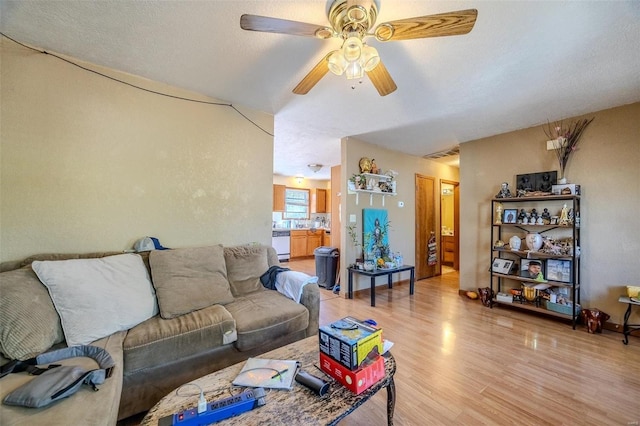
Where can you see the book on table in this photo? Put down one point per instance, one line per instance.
(267, 373)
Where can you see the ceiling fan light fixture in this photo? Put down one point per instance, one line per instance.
(324, 33)
(354, 71)
(370, 58)
(337, 63)
(352, 48)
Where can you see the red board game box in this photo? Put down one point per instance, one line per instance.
(356, 381)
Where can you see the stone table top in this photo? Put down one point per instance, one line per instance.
(298, 406)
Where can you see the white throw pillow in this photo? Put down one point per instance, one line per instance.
(98, 297)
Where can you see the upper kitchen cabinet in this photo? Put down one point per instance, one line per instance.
(278, 198)
(319, 200)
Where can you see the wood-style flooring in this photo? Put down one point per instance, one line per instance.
(460, 363)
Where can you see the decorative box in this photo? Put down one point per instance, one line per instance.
(350, 342)
(557, 189)
(504, 298)
(356, 381)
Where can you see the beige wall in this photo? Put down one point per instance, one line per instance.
(91, 164)
(605, 165)
(402, 231)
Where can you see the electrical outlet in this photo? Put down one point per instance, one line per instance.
(352, 218)
(552, 145)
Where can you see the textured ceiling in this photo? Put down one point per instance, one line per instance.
(525, 62)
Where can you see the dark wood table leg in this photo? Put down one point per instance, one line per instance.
(625, 328)
(391, 401)
(373, 290)
(350, 285)
(411, 281)
(390, 279)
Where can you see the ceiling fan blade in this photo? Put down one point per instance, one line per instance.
(443, 24)
(313, 77)
(382, 80)
(283, 26)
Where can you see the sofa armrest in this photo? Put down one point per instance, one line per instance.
(311, 300)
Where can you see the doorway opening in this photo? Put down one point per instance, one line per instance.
(449, 226)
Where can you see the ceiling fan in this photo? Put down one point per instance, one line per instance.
(352, 21)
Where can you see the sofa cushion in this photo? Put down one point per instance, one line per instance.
(158, 341)
(97, 297)
(85, 407)
(188, 279)
(264, 316)
(245, 265)
(29, 323)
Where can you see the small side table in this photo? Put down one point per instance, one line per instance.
(377, 272)
(628, 328)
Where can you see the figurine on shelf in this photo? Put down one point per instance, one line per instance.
(534, 216)
(504, 191)
(522, 216)
(546, 216)
(564, 216)
(499, 214)
(374, 167)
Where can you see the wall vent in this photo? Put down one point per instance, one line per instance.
(444, 153)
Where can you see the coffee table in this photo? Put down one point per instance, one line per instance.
(298, 406)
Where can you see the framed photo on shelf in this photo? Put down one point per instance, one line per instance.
(559, 270)
(510, 216)
(532, 268)
(501, 266)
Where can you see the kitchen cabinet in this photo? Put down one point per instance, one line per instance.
(314, 240)
(318, 200)
(305, 241)
(278, 198)
(298, 243)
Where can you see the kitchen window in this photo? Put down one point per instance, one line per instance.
(296, 203)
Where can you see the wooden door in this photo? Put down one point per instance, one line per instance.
(425, 224)
(314, 240)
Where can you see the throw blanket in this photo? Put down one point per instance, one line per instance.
(291, 283)
(268, 279)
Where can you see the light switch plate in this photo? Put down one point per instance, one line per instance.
(352, 218)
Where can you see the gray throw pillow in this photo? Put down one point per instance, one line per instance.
(29, 323)
(188, 279)
(245, 265)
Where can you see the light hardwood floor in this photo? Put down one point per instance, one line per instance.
(460, 363)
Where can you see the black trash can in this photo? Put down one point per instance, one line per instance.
(326, 266)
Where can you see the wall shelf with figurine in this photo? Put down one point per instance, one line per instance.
(372, 184)
(535, 254)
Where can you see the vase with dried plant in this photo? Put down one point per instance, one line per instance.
(565, 138)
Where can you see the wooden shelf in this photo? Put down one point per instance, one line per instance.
(532, 281)
(533, 308)
(542, 198)
(533, 254)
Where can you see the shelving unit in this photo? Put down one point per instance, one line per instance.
(377, 179)
(501, 282)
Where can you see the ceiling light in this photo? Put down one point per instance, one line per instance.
(315, 168)
(354, 58)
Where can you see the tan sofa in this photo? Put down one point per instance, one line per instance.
(166, 350)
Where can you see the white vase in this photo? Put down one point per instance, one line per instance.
(562, 181)
(534, 241)
(514, 242)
